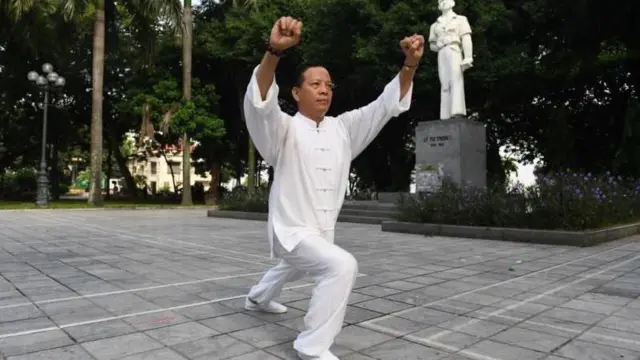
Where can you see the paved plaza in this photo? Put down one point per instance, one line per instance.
(170, 284)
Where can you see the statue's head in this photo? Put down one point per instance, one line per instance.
(444, 5)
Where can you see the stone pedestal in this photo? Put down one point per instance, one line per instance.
(453, 149)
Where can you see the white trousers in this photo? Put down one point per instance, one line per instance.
(452, 99)
(334, 271)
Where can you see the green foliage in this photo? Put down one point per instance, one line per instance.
(558, 80)
(14, 184)
(170, 113)
(63, 189)
(561, 201)
(240, 200)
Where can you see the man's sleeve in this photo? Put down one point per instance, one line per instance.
(266, 122)
(365, 123)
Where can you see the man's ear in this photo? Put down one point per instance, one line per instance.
(294, 92)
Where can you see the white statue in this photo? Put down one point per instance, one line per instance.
(450, 37)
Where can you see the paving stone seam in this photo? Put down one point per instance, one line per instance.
(121, 234)
(504, 282)
(432, 339)
(118, 292)
(140, 313)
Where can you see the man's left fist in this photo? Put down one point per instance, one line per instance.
(413, 48)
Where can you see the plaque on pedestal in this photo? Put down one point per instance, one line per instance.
(429, 178)
(456, 148)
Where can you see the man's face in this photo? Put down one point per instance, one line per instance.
(445, 4)
(316, 92)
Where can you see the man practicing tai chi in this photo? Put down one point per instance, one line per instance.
(311, 154)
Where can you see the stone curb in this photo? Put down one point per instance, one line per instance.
(240, 215)
(549, 237)
(114, 208)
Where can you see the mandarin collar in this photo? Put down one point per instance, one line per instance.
(312, 123)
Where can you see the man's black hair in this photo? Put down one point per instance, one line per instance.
(300, 70)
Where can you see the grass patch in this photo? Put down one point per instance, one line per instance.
(82, 204)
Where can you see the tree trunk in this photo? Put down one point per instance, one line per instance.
(251, 181)
(251, 162)
(122, 164)
(211, 197)
(187, 44)
(95, 187)
(173, 176)
(109, 170)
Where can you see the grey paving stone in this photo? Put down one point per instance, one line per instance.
(218, 347)
(121, 346)
(377, 291)
(357, 315)
(357, 338)
(73, 352)
(450, 341)
(397, 325)
(498, 350)
(155, 320)
(232, 322)
(176, 334)
(97, 331)
(578, 316)
(356, 356)
(382, 305)
(529, 339)
(160, 354)
(287, 352)
(402, 349)
(25, 325)
(473, 326)
(24, 344)
(524, 314)
(257, 355)
(427, 316)
(19, 313)
(594, 307)
(265, 335)
(206, 311)
(615, 338)
(582, 350)
(122, 304)
(74, 311)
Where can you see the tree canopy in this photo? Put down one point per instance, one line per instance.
(556, 81)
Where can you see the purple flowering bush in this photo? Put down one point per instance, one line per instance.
(559, 201)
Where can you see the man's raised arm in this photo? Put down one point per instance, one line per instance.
(266, 123)
(365, 123)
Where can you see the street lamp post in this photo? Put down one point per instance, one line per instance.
(49, 80)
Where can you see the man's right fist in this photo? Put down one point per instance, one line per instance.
(285, 33)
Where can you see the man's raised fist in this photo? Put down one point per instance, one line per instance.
(285, 33)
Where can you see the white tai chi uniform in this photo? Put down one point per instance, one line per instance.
(312, 162)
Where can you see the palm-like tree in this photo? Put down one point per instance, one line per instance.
(144, 14)
(187, 50)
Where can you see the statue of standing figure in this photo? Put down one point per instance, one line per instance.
(450, 37)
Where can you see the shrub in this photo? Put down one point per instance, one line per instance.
(568, 201)
(240, 200)
(64, 189)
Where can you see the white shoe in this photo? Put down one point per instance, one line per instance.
(272, 307)
(326, 356)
